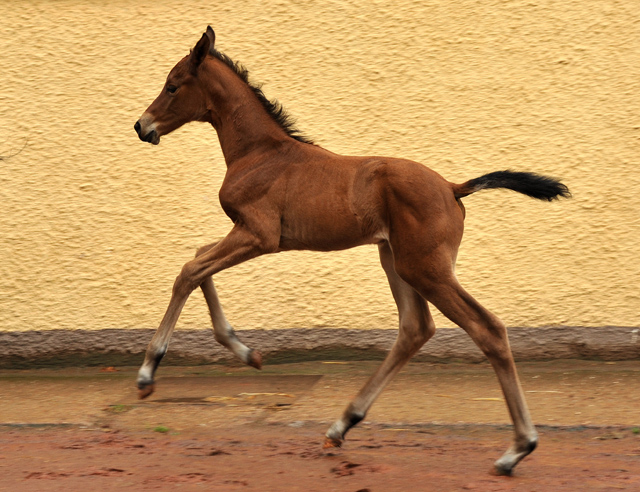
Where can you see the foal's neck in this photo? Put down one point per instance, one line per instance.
(242, 123)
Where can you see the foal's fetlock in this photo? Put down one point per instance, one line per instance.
(509, 460)
(335, 435)
(531, 444)
(525, 445)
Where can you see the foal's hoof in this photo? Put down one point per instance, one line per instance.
(255, 359)
(502, 469)
(145, 390)
(330, 442)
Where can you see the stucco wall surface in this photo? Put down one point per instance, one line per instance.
(95, 224)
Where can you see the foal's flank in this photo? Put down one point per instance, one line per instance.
(284, 193)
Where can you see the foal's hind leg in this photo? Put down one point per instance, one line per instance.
(223, 331)
(416, 327)
(490, 334)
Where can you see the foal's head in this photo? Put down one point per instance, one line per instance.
(182, 98)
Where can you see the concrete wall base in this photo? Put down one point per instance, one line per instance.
(190, 347)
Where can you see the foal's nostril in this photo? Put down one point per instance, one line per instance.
(137, 127)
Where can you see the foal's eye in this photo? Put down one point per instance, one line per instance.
(171, 89)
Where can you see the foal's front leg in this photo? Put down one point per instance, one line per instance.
(239, 246)
(223, 331)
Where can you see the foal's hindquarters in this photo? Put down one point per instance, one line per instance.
(424, 233)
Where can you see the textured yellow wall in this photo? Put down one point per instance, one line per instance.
(95, 225)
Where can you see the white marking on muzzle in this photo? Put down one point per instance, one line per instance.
(148, 125)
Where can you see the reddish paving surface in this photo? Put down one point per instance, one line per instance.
(281, 458)
(227, 429)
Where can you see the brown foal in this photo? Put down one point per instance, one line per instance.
(284, 193)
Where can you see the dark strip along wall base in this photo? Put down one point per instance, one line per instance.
(120, 347)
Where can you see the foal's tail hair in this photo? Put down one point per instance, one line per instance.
(530, 184)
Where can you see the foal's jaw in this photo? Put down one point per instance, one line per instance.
(145, 127)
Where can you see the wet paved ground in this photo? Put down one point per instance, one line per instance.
(436, 427)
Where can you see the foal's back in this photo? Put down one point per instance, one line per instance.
(328, 201)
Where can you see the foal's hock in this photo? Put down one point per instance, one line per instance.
(284, 193)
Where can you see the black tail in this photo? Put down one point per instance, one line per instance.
(530, 184)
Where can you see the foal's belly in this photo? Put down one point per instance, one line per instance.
(327, 232)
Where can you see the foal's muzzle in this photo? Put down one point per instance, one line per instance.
(150, 136)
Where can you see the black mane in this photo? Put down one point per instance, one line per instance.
(273, 107)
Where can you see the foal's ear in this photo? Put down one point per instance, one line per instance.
(199, 53)
(211, 35)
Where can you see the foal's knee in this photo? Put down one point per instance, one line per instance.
(416, 330)
(187, 281)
